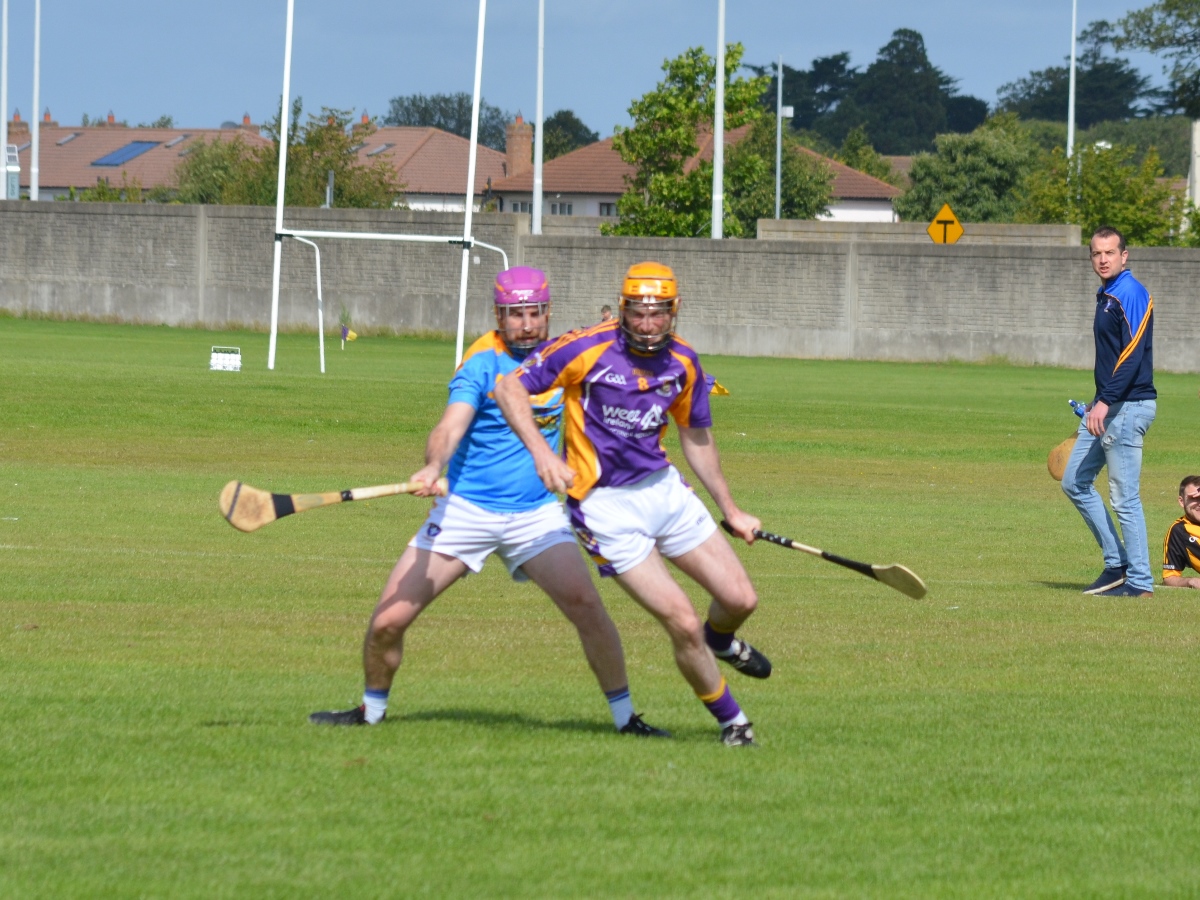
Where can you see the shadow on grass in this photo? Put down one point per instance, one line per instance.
(492, 719)
(1062, 585)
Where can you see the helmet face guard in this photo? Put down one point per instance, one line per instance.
(516, 291)
(649, 289)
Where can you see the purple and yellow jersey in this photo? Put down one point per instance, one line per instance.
(616, 402)
(491, 467)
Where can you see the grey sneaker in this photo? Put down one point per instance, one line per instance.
(746, 660)
(638, 727)
(738, 736)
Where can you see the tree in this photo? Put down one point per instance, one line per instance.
(902, 99)
(1172, 28)
(805, 180)
(233, 172)
(856, 152)
(669, 195)
(160, 122)
(565, 132)
(978, 174)
(452, 113)
(1103, 186)
(1106, 88)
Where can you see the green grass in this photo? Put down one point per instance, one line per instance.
(1005, 736)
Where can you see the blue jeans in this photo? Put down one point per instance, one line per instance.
(1119, 448)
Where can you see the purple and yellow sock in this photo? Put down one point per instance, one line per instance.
(719, 642)
(723, 707)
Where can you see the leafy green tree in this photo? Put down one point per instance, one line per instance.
(668, 195)
(805, 180)
(452, 113)
(1171, 136)
(1105, 186)
(1171, 28)
(234, 172)
(902, 99)
(160, 122)
(856, 152)
(564, 133)
(978, 174)
(129, 191)
(1106, 88)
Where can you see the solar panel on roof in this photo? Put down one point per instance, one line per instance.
(126, 153)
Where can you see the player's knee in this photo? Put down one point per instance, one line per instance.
(684, 625)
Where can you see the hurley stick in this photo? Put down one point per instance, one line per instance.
(249, 508)
(902, 578)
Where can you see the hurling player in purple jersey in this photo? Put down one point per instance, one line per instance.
(630, 507)
(496, 504)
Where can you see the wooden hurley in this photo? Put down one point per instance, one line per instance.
(249, 508)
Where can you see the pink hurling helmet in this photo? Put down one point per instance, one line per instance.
(516, 288)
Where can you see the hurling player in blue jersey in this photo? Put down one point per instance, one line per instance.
(1117, 420)
(496, 504)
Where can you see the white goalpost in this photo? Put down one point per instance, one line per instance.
(467, 241)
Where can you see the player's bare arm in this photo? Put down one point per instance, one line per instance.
(700, 450)
(440, 447)
(514, 401)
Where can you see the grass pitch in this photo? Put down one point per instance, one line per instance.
(1004, 736)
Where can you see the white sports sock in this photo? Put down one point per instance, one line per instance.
(376, 705)
(739, 719)
(620, 704)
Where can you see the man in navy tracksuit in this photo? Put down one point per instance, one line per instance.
(1117, 420)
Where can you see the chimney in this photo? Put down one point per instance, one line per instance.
(16, 126)
(249, 126)
(47, 122)
(112, 120)
(245, 119)
(518, 146)
(366, 120)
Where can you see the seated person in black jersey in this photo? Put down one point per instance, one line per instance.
(1181, 548)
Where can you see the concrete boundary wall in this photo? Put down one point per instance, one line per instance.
(840, 299)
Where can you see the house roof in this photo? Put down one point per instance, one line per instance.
(67, 156)
(599, 169)
(432, 161)
(428, 160)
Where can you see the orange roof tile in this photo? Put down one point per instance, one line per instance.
(66, 161)
(432, 161)
(599, 169)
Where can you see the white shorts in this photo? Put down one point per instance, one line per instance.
(619, 526)
(470, 533)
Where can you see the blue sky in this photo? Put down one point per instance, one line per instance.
(205, 63)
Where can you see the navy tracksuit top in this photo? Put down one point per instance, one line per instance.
(1124, 332)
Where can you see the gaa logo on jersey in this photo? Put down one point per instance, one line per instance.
(615, 378)
(433, 530)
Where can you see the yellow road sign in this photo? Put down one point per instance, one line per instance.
(945, 227)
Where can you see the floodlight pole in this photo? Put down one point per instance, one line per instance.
(778, 133)
(718, 204)
(37, 94)
(283, 148)
(541, 121)
(4, 92)
(470, 198)
(1071, 86)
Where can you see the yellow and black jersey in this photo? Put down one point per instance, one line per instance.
(1181, 548)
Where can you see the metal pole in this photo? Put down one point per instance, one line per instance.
(1071, 87)
(778, 133)
(470, 198)
(320, 303)
(37, 108)
(283, 142)
(541, 121)
(718, 204)
(4, 94)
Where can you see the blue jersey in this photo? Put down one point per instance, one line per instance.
(491, 467)
(1124, 331)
